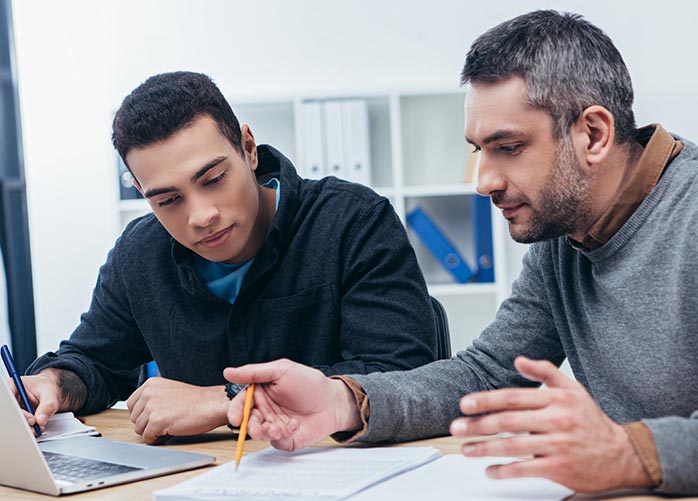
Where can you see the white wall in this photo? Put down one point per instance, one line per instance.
(78, 58)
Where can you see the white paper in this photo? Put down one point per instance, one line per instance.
(315, 473)
(456, 477)
(65, 425)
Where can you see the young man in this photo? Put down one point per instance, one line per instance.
(241, 261)
(609, 283)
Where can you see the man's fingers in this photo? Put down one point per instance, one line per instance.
(136, 410)
(254, 425)
(502, 400)
(135, 396)
(235, 408)
(543, 371)
(503, 422)
(140, 423)
(47, 407)
(537, 467)
(257, 373)
(151, 436)
(516, 446)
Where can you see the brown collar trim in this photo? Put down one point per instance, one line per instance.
(660, 150)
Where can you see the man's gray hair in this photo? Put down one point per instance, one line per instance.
(568, 64)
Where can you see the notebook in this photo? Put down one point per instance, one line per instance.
(80, 463)
(313, 473)
(65, 425)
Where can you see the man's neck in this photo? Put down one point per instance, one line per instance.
(265, 215)
(608, 183)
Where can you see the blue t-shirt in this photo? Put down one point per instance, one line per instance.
(225, 280)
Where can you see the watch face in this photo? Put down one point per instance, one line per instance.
(232, 389)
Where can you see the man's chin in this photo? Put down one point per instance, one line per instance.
(527, 235)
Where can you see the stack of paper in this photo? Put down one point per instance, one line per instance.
(64, 425)
(316, 473)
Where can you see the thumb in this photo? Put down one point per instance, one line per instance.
(543, 371)
(46, 408)
(269, 372)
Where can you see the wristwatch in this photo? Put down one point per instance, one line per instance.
(232, 389)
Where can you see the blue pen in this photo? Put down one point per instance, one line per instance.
(10, 365)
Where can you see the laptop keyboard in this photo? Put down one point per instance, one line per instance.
(76, 469)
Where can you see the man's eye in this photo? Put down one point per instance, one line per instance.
(169, 201)
(510, 148)
(215, 179)
(475, 148)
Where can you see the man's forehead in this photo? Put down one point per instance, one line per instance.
(497, 110)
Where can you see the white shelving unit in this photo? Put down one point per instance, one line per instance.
(418, 157)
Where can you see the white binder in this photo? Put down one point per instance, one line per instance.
(357, 151)
(334, 139)
(313, 166)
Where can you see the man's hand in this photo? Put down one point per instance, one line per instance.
(294, 406)
(45, 394)
(571, 440)
(162, 408)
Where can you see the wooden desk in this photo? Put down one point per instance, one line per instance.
(115, 424)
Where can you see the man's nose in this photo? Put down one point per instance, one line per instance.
(202, 215)
(489, 178)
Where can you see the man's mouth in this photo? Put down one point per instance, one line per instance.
(509, 210)
(217, 238)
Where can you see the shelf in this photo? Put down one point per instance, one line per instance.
(434, 150)
(459, 289)
(417, 158)
(134, 205)
(438, 190)
(386, 191)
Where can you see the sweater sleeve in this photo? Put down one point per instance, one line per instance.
(387, 321)
(423, 402)
(677, 445)
(106, 349)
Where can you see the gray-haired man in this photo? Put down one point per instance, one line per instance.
(609, 283)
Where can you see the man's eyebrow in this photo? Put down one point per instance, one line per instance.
(203, 170)
(209, 165)
(158, 191)
(496, 136)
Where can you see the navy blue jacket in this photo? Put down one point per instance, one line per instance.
(335, 286)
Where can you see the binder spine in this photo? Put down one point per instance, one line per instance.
(313, 156)
(437, 243)
(355, 126)
(334, 149)
(482, 236)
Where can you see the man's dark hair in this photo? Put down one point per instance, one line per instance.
(167, 103)
(568, 64)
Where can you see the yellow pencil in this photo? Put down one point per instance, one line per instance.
(243, 426)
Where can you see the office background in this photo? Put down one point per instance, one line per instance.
(77, 59)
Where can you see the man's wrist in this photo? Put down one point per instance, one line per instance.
(72, 392)
(634, 473)
(348, 413)
(219, 402)
(643, 443)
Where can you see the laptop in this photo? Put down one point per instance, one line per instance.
(80, 463)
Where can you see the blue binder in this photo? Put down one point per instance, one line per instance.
(437, 243)
(482, 237)
(152, 369)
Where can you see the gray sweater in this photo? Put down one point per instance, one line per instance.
(625, 315)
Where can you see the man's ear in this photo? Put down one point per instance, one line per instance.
(249, 146)
(593, 135)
